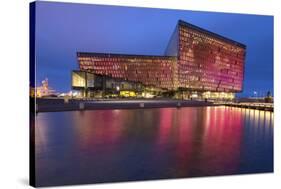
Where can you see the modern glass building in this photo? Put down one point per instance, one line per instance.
(197, 64)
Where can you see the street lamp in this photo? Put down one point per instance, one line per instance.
(118, 88)
(255, 93)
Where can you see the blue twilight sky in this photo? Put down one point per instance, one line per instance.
(62, 29)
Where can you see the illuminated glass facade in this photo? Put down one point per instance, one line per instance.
(209, 62)
(154, 71)
(195, 60)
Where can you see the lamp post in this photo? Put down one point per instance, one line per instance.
(255, 94)
(118, 89)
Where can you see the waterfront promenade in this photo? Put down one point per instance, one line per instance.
(256, 106)
(56, 104)
(52, 105)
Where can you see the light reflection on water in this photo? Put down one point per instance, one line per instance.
(119, 145)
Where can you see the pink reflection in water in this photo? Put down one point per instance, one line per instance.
(105, 128)
(221, 144)
(206, 140)
(165, 125)
(120, 145)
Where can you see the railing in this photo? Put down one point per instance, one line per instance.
(252, 105)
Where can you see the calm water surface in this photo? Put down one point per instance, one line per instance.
(123, 145)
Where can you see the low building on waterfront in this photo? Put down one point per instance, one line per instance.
(44, 90)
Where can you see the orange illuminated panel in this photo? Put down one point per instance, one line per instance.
(149, 70)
